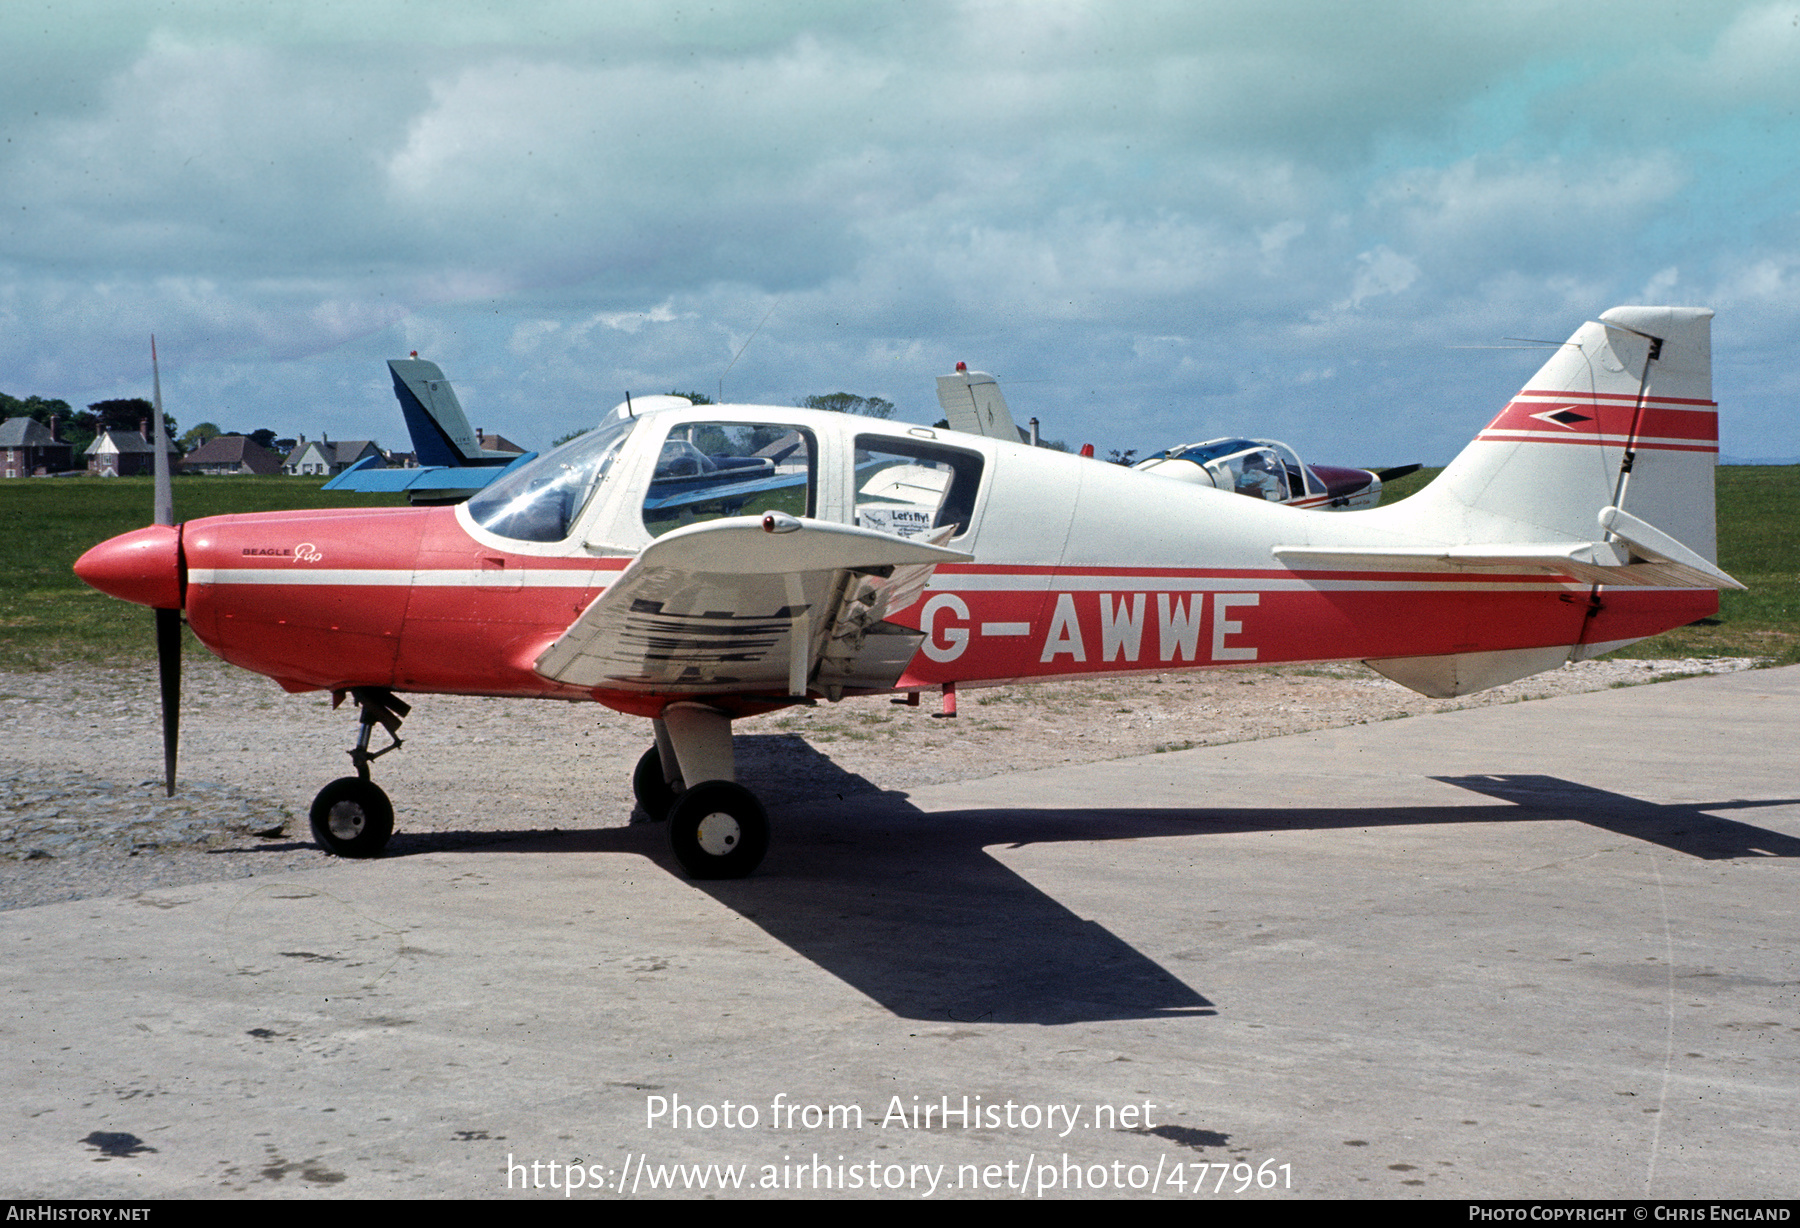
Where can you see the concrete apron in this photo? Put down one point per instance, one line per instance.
(1542, 950)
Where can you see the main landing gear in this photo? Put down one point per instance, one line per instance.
(351, 816)
(717, 828)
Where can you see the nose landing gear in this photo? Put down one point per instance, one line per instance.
(351, 816)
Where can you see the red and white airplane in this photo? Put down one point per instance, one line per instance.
(910, 559)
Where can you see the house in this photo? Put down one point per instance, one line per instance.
(496, 443)
(226, 454)
(322, 458)
(27, 446)
(121, 454)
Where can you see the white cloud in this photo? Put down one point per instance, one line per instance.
(1380, 271)
(1194, 198)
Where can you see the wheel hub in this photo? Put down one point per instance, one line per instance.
(719, 834)
(346, 820)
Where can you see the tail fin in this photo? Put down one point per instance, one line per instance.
(1622, 416)
(440, 430)
(973, 404)
(1600, 470)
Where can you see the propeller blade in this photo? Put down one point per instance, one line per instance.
(168, 665)
(165, 489)
(168, 622)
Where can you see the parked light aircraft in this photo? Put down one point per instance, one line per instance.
(1579, 520)
(452, 463)
(1270, 470)
(1262, 468)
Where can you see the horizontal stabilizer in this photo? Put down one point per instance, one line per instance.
(1654, 559)
(1658, 548)
(423, 484)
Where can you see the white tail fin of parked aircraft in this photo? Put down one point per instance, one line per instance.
(1600, 469)
(973, 404)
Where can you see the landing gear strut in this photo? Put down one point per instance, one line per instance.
(351, 816)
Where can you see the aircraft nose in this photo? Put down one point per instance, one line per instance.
(142, 566)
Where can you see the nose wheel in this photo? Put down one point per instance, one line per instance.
(352, 817)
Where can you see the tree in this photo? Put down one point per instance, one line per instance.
(200, 436)
(121, 414)
(126, 414)
(850, 403)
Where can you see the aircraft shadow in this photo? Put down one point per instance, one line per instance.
(912, 910)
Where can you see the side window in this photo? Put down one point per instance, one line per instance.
(907, 487)
(710, 470)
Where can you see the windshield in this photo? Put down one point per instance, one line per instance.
(1200, 453)
(540, 502)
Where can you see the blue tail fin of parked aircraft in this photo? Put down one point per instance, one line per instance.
(452, 463)
(440, 430)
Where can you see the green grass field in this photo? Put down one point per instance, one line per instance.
(48, 617)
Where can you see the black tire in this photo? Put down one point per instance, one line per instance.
(655, 795)
(718, 830)
(352, 817)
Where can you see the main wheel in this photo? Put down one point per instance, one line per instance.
(352, 817)
(654, 793)
(718, 830)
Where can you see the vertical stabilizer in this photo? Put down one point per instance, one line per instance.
(973, 404)
(1605, 458)
(1621, 416)
(440, 430)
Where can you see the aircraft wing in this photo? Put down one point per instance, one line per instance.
(752, 605)
(1640, 554)
(715, 492)
(424, 480)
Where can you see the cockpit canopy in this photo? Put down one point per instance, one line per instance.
(1261, 468)
(689, 464)
(540, 502)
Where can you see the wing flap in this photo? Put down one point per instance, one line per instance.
(728, 606)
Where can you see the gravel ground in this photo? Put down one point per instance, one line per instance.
(82, 811)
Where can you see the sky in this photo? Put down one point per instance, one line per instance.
(1154, 223)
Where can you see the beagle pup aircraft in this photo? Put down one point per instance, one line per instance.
(908, 559)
